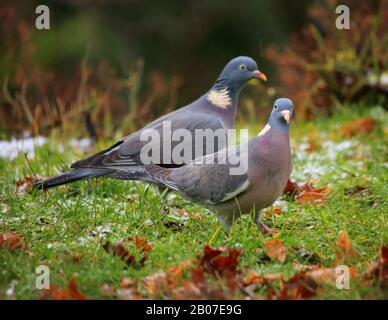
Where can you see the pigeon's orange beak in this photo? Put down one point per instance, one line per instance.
(286, 115)
(260, 75)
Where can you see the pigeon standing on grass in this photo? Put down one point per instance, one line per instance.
(214, 110)
(268, 161)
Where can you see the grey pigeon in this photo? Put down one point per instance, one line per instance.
(268, 161)
(214, 110)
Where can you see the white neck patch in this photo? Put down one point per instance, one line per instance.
(220, 99)
(264, 131)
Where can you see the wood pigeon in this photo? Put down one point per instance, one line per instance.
(214, 110)
(267, 160)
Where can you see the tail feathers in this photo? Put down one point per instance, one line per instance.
(71, 176)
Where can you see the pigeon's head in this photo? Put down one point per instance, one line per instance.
(240, 70)
(282, 112)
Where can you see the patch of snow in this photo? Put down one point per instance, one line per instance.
(100, 231)
(81, 144)
(315, 164)
(10, 293)
(148, 222)
(85, 240)
(10, 149)
(281, 204)
(3, 208)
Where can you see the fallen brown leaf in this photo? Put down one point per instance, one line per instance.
(274, 211)
(155, 283)
(293, 188)
(302, 285)
(261, 279)
(128, 294)
(311, 146)
(26, 182)
(379, 270)
(275, 250)
(299, 286)
(310, 256)
(305, 193)
(214, 262)
(125, 283)
(345, 247)
(354, 127)
(355, 190)
(70, 293)
(175, 273)
(166, 280)
(107, 291)
(315, 196)
(122, 293)
(120, 249)
(11, 241)
(76, 258)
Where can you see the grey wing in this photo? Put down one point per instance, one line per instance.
(127, 151)
(205, 183)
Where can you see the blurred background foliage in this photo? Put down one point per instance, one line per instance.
(112, 66)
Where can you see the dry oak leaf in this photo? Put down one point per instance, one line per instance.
(126, 282)
(69, 293)
(315, 272)
(275, 250)
(215, 263)
(128, 294)
(315, 196)
(293, 188)
(312, 146)
(175, 273)
(11, 241)
(274, 211)
(26, 182)
(261, 279)
(344, 244)
(166, 280)
(379, 270)
(155, 283)
(120, 249)
(299, 286)
(305, 193)
(361, 125)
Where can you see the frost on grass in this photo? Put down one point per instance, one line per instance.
(11, 149)
(337, 159)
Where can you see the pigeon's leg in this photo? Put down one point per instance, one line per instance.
(226, 220)
(262, 226)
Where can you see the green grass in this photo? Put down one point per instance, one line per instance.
(69, 221)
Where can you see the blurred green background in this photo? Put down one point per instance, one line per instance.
(139, 59)
(193, 39)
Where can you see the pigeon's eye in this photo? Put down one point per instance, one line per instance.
(243, 67)
(276, 106)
